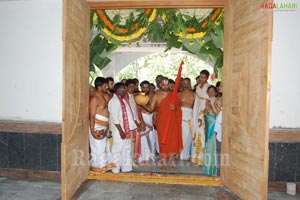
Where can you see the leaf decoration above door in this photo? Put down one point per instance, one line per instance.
(198, 31)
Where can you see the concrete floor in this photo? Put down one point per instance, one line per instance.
(180, 167)
(125, 191)
(13, 189)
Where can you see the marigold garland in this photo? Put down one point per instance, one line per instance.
(213, 17)
(120, 34)
(122, 38)
(191, 30)
(136, 27)
(121, 30)
(105, 20)
(192, 36)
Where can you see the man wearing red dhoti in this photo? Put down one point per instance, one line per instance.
(169, 119)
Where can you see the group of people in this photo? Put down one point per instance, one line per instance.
(183, 123)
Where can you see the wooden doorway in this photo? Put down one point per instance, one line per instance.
(247, 47)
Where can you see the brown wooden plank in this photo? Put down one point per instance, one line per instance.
(247, 47)
(30, 127)
(281, 186)
(288, 135)
(74, 149)
(30, 174)
(155, 4)
(156, 178)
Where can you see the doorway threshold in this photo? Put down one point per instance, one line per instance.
(157, 178)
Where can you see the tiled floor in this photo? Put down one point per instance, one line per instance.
(12, 189)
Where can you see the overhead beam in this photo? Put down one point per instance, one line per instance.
(125, 4)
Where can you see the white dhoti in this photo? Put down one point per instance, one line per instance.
(187, 114)
(198, 129)
(148, 140)
(121, 114)
(156, 145)
(100, 149)
(121, 153)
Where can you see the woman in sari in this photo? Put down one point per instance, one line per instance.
(210, 157)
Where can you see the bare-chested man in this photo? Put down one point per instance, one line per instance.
(110, 91)
(187, 97)
(148, 141)
(92, 91)
(98, 126)
(171, 85)
(152, 87)
(162, 101)
(158, 80)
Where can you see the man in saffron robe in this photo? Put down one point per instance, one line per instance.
(170, 140)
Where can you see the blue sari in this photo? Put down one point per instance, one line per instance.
(210, 155)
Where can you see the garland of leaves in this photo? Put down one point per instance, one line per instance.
(204, 38)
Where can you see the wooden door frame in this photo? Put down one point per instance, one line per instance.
(126, 4)
(170, 179)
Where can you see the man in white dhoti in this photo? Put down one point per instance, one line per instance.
(136, 139)
(198, 122)
(187, 97)
(149, 140)
(122, 124)
(99, 147)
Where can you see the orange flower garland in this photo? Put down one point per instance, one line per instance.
(105, 20)
(126, 34)
(191, 30)
(192, 33)
(204, 24)
(120, 30)
(213, 17)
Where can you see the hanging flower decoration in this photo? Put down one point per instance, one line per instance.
(192, 31)
(123, 34)
(199, 35)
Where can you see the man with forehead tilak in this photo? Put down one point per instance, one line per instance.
(170, 138)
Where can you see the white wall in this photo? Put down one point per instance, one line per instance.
(31, 63)
(31, 60)
(285, 76)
